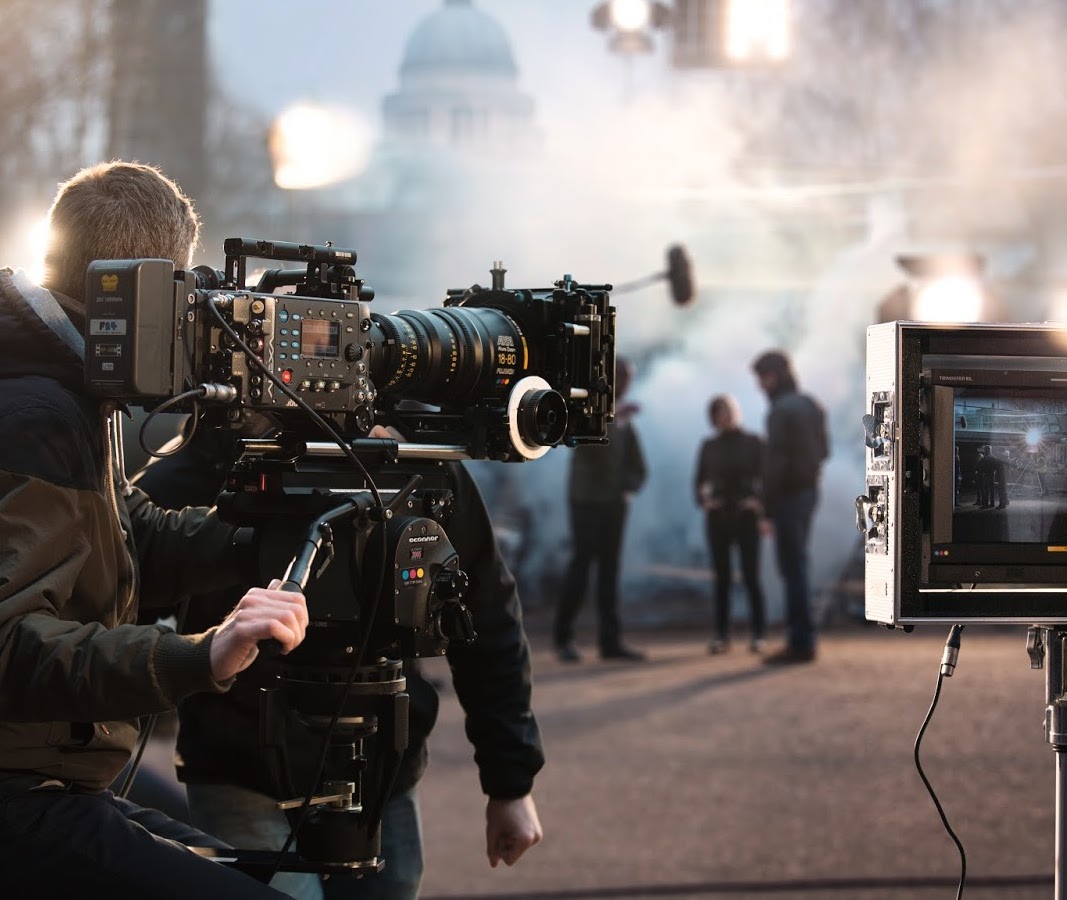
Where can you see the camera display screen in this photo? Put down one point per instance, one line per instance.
(1010, 467)
(321, 339)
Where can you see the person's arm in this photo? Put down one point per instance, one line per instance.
(67, 592)
(63, 653)
(635, 468)
(187, 552)
(182, 552)
(492, 679)
(776, 460)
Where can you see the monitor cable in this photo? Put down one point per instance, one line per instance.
(948, 666)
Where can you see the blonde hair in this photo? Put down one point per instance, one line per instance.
(116, 210)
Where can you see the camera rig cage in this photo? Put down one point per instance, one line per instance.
(965, 512)
(509, 373)
(495, 373)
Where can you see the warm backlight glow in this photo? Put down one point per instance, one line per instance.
(314, 146)
(34, 243)
(950, 299)
(630, 15)
(758, 30)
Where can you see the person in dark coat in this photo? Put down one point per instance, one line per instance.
(227, 770)
(83, 553)
(603, 478)
(797, 446)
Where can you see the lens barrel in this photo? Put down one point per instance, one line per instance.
(451, 355)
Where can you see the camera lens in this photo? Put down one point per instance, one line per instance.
(450, 355)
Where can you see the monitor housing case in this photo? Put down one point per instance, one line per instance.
(923, 562)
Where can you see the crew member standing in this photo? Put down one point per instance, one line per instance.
(727, 486)
(797, 445)
(603, 477)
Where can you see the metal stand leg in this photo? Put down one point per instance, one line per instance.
(1061, 821)
(1046, 648)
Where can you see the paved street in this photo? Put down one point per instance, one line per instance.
(693, 776)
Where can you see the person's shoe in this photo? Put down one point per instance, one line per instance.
(568, 653)
(718, 646)
(757, 645)
(1003, 505)
(790, 656)
(627, 654)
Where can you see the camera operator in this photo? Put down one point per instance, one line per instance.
(82, 553)
(228, 782)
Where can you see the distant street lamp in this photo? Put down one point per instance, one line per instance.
(757, 31)
(314, 146)
(711, 34)
(943, 287)
(629, 23)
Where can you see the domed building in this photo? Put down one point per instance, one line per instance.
(458, 138)
(459, 86)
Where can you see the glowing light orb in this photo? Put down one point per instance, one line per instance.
(630, 15)
(314, 146)
(950, 299)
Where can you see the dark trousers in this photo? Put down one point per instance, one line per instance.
(596, 532)
(727, 528)
(62, 843)
(792, 530)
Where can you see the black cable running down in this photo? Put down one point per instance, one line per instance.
(188, 430)
(948, 664)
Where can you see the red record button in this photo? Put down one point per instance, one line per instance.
(287, 376)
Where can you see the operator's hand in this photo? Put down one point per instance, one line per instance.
(261, 614)
(511, 828)
(386, 432)
(766, 527)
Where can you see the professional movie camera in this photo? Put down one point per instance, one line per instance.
(965, 514)
(495, 373)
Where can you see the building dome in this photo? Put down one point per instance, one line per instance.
(458, 36)
(459, 88)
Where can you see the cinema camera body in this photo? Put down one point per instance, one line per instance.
(512, 372)
(965, 512)
(495, 373)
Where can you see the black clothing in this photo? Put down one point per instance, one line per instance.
(602, 476)
(731, 465)
(992, 475)
(597, 530)
(607, 473)
(218, 738)
(725, 530)
(78, 560)
(61, 842)
(797, 445)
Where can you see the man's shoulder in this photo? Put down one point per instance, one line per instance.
(797, 403)
(46, 432)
